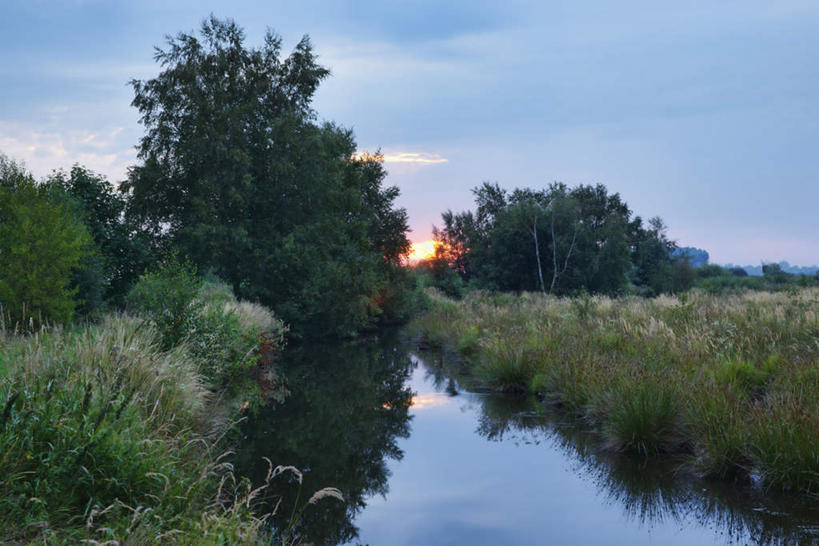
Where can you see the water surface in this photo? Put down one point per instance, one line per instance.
(423, 460)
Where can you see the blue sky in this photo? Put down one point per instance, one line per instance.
(704, 113)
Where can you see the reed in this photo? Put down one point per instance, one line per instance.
(727, 382)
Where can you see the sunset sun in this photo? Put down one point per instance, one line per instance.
(422, 250)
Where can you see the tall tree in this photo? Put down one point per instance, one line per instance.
(237, 174)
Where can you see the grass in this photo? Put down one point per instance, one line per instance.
(108, 435)
(727, 383)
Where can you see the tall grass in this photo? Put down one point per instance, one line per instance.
(107, 433)
(730, 383)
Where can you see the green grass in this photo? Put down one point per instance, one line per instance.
(107, 434)
(728, 383)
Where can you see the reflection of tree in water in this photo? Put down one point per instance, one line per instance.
(653, 491)
(348, 406)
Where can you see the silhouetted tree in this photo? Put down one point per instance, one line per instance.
(236, 173)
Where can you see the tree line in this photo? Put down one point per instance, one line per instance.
(563, 241)
(236, 173)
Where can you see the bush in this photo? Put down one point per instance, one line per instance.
(222, 334)
(744, 375)
(226, 335)
(710, 270)
(643, 417)
(169, 297)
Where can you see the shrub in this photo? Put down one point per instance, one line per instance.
(741, 374)
(711, 270)
(169, 297)
(783, 441)
(225, 335)
(507, 366)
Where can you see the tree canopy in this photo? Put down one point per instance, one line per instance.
(237, 173)
(42, 243)
(557, 240)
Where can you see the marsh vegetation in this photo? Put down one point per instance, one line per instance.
(727, 383)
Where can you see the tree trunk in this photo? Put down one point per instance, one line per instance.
(537, 254)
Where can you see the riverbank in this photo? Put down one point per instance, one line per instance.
(727, 384)
(108, 432)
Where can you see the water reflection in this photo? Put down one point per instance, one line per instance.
(479, 468)
(347, 408)
(654, 492)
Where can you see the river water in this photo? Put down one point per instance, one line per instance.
(423, 456)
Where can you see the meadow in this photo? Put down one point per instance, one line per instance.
(726, 385)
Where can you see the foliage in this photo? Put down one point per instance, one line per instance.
(121, 252)
(169, 297)
(437, 272)
(775, 273)
(726, 382)
(697, 257)
(713, 270)
(42, 244)
(652, 259)
(222, 334)
(683, 275)
(558, 241)
(278, 205)
(225, 336)
(717, 280)
(104, 436)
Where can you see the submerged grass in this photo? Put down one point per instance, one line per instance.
(730, 383)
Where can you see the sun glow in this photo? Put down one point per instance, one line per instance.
(423, 250)
(430, 400)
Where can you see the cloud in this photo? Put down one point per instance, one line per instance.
(405, 157)
(44, 150)
(409, 157)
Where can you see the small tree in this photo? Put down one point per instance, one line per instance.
(42, 243)
(653, 258)
(683, 274)
(169, 297)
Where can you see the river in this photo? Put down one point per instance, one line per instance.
(423, 455)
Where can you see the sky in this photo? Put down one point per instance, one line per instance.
(702, 113)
